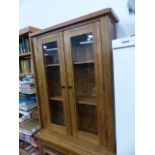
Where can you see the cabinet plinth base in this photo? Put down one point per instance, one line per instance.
(70, 144)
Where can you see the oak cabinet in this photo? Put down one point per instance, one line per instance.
(74, 83)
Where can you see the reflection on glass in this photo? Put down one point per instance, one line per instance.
(82, 49)
(50, 53)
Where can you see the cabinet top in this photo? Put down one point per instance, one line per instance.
(103, 12)
(28, 29)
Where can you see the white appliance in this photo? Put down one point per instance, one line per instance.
(124, 84)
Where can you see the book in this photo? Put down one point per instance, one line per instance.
(30, 91)
(21, 51)
(26, 102)
(20, 67)
(29, 127)
(27, 107)
(26, 86)
(23, 45)
(23, 117)
(26, 41)
(24, 82)
(29, 100)
(29, 112)
(21, 95)
(27, 96)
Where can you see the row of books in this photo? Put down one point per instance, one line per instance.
(25, 65)
(24, 46)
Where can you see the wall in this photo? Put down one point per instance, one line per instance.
(45, 13)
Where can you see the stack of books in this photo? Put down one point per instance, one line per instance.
(27, 102)
(28, 149)
(26, 87)
(27, 138)
(29, 127)
(27, 98)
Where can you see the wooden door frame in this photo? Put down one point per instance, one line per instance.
(108, 33)
(42, 40)
(95, 29)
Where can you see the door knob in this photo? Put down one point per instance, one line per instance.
(70, 87)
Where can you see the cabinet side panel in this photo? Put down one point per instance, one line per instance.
(107, 32)
(38, 82)
(99, 77)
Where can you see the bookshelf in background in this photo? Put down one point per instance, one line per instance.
(28, 111)
(25, 58)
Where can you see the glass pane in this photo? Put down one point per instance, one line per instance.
(52, 71)
(87, 118)
(53, 81)
(84, 80)
(57, 112)
(50, 53)
(82, 47)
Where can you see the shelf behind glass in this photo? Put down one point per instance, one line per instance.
(83, 62)
(56, 98)
(86, 99)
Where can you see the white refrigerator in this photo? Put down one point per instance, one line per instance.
(124, 92)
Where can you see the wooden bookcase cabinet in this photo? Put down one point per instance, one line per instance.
(74, 82)
(24, 55)
(26, 68)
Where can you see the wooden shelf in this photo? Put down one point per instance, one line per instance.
(83, 62)
(87, 129)
(50, 65)
(88, 100)
(56, 98)
(23, 74)
(25, 54)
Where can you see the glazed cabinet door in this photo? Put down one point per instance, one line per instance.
(54, 92)
(83, 57)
